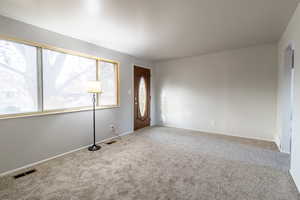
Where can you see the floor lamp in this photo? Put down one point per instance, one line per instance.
(94, 87)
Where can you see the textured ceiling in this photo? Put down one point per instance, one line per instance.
(159, 29)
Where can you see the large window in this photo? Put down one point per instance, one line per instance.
(39, 79)
(64, 78)
(18, 78)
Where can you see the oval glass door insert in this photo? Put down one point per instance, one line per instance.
(142, 97)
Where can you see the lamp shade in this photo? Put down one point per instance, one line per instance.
(94, 87)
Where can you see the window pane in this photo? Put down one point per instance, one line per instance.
(18, 78)
(142, 97)
(65, 77)
(108, 81)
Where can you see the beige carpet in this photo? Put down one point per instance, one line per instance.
(159, 164)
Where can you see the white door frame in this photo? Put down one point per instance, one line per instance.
(287, 105)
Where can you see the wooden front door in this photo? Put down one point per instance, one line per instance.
(141, 97)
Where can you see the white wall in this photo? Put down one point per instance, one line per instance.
(292, 37)
(232, 92)
(31, 139)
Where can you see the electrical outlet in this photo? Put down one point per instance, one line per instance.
(212, 123)
(112, 128)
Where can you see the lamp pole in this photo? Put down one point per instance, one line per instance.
(94, 147)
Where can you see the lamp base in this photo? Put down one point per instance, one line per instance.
(94, 148)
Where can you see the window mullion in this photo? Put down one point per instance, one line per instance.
(116, 70)
(98, 79)
(40, 79)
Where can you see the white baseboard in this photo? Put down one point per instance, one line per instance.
(295, 179)
(282, 151)
(277, 142)
(125, 133)
(59, 155)
(221, 133)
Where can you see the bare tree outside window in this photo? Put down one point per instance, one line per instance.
(18, 78)
(64, 80)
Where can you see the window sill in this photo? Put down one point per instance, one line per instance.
(54, 112)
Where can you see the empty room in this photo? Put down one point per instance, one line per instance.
(149, 100)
